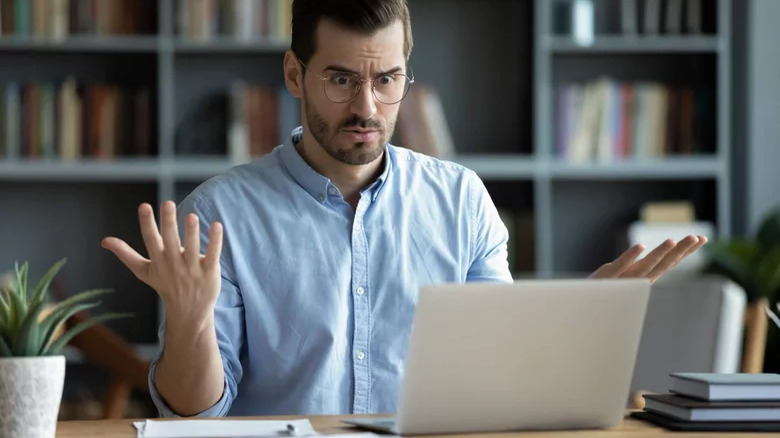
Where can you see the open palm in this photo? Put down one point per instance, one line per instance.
(655, 264)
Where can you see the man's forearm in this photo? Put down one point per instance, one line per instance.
(189, 376)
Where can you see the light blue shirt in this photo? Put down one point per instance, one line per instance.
(317, 299)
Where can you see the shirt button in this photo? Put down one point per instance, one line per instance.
(360, 290)
(361, 355)
(321, 197)
(333, 191)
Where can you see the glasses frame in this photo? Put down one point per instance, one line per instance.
(324, 78)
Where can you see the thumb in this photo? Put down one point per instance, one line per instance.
(127, 255)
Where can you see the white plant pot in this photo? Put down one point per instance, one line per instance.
(30, 395)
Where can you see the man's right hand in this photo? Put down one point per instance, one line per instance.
(187, 281)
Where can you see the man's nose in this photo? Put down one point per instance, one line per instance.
(364, 104)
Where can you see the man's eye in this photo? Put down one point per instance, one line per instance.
(341, 80)
(386, 79)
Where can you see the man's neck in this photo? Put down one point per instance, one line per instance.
(350, 179)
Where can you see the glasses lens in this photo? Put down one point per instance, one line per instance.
(391, 88)
(341, 87)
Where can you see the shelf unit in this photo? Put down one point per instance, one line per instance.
(589, 197)
(507, 141)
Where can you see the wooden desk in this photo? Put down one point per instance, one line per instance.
(330, 425)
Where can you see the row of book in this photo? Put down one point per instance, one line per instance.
(69, 121)
(606, 120)
(717, 402)
(672, 17)
(243, 20)
(254, 120)
(58, 19)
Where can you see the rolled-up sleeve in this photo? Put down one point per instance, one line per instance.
(228, 322)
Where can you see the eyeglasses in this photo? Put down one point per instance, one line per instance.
(341, 87)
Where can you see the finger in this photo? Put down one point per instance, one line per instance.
(137, 264)
(625, 260)
(616, 268)
(215, 245)
(170, 229)
(192, 239)
(673, 257)
(644, 266)
(602, 272)
(152, 239)
(702, 241)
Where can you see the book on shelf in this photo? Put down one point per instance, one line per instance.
(666, 17)
(665, 212)
(629, 17)
(606, 120)
(652, 17)
(67, 122)
(422, 125)
(691, 409)
(727, 387)
(693, 16)
(58, 19)
(673, 17)
(242, 20)
(259, 118)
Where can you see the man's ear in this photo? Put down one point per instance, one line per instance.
(293, 74)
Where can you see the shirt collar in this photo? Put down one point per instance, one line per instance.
(314, 183)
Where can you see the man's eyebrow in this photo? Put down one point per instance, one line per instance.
(342, 69)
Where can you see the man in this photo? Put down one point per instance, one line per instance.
(327, 239)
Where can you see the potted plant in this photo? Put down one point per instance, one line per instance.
(32, 367)
(753, 263)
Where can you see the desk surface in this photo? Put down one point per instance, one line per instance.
(330, 425)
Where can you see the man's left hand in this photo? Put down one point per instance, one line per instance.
(655, 264)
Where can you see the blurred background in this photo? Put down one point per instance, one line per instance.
(594, 124)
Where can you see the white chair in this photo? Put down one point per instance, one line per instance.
(697, 325)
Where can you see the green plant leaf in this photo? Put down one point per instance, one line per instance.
(734, 260)
(63, 340)
(21, 284)
(16, 313)
(50, 326)
(63, 305)
(42, 288)
(27, 342)
(55, 319)
(5, 312)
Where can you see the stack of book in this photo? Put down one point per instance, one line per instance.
(242, 20)
(608, 120)
(70, 121)
(717, 402)
(59, 19)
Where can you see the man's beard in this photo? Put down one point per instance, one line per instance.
(362, 153)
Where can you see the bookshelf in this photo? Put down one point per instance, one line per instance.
(497, 91)
(581, 207)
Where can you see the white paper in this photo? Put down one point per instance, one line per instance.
(220, 428)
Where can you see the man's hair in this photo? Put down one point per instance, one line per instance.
(365, 16)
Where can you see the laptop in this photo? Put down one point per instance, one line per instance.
(531, 355)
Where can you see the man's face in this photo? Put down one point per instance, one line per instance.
(353, 132)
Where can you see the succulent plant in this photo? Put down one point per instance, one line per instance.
(28, 328)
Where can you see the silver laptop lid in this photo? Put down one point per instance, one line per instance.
(543, 354)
